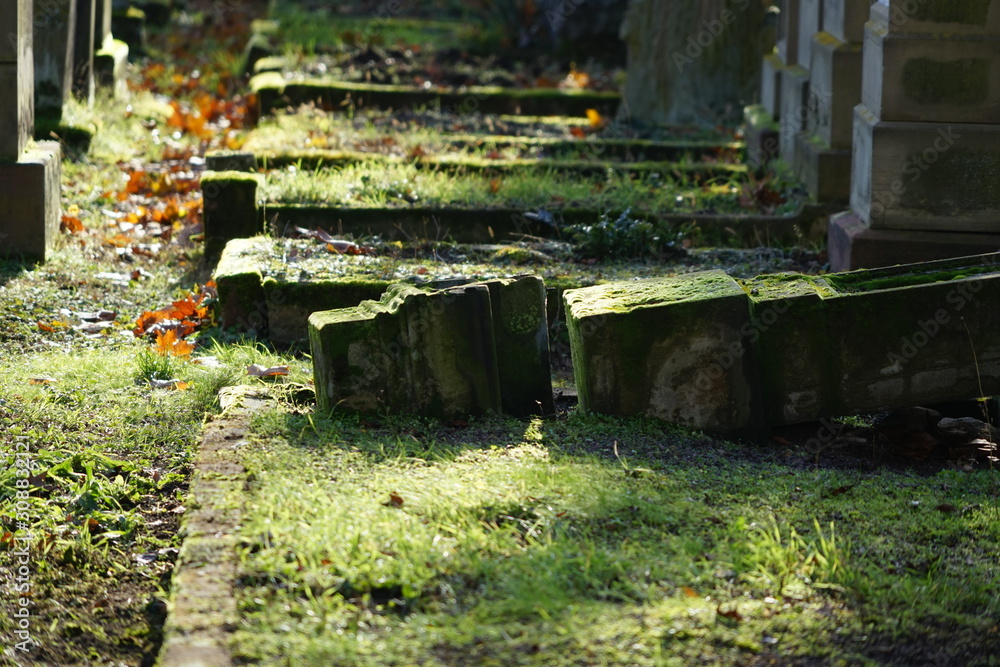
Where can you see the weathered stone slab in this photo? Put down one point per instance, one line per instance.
(926, 176)
(16, 79)
(788, 32)
(230, 209)
(834, 89)
(54, 34)
(670, 348)
(770, 84)
(449, 352)
(945, 78)
(794, 108)
(930, 334)
(83, 51)
(845, 19)
(810, 22)
(521, 334)
(762, 136)
(709, 352)
(29, 202)
(789, 333)
(824, 170)
(412, 351)
(939, 16)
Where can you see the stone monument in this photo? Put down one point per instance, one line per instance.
(29, 172)
(925, 181)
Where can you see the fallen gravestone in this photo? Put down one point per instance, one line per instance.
(725, 355)
(469, 350)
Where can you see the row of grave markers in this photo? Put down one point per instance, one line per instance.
(47, 50)
(894, 107)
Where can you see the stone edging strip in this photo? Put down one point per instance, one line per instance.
(203, 607)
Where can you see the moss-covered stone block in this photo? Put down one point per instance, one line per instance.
(412, 351)
(226, 160)
(788, 333)
(708, 352)
(669, 348)
(109, 67)
(915, 334)
(230, 208)
(275, 91)
(239, 285)
(30, 202)
(521, 333)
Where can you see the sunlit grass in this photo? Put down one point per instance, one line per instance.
(404, 184)
(399, 543)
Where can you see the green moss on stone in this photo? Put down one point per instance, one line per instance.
(968, 12)
(963, 82)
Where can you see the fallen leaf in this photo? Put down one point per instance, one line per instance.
(71, 224)
(395, 500)
(689, 592)
(946, 507)
(168, 343)
(595, 118)
(42, 380)
(259, 371)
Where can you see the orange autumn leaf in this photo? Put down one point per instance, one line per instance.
(168, 344)
(71, 224)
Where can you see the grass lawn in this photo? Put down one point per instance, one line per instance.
(586, 541)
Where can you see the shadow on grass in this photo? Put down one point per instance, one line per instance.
(625, 534)
(11, 269)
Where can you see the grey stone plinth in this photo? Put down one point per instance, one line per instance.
(853, 245)
(788, 32)
(230, 208)
(412, 352)
(845, 19)
(762, 137)
(950, 78)
(794, 108)
(824, 170)
(16, 79)
(926, 176)
(30, 202)
(834, 89)
(770, 84)
(954, 17)
(54, 35)
(810, 22)
(83, 51)
(670, 348)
